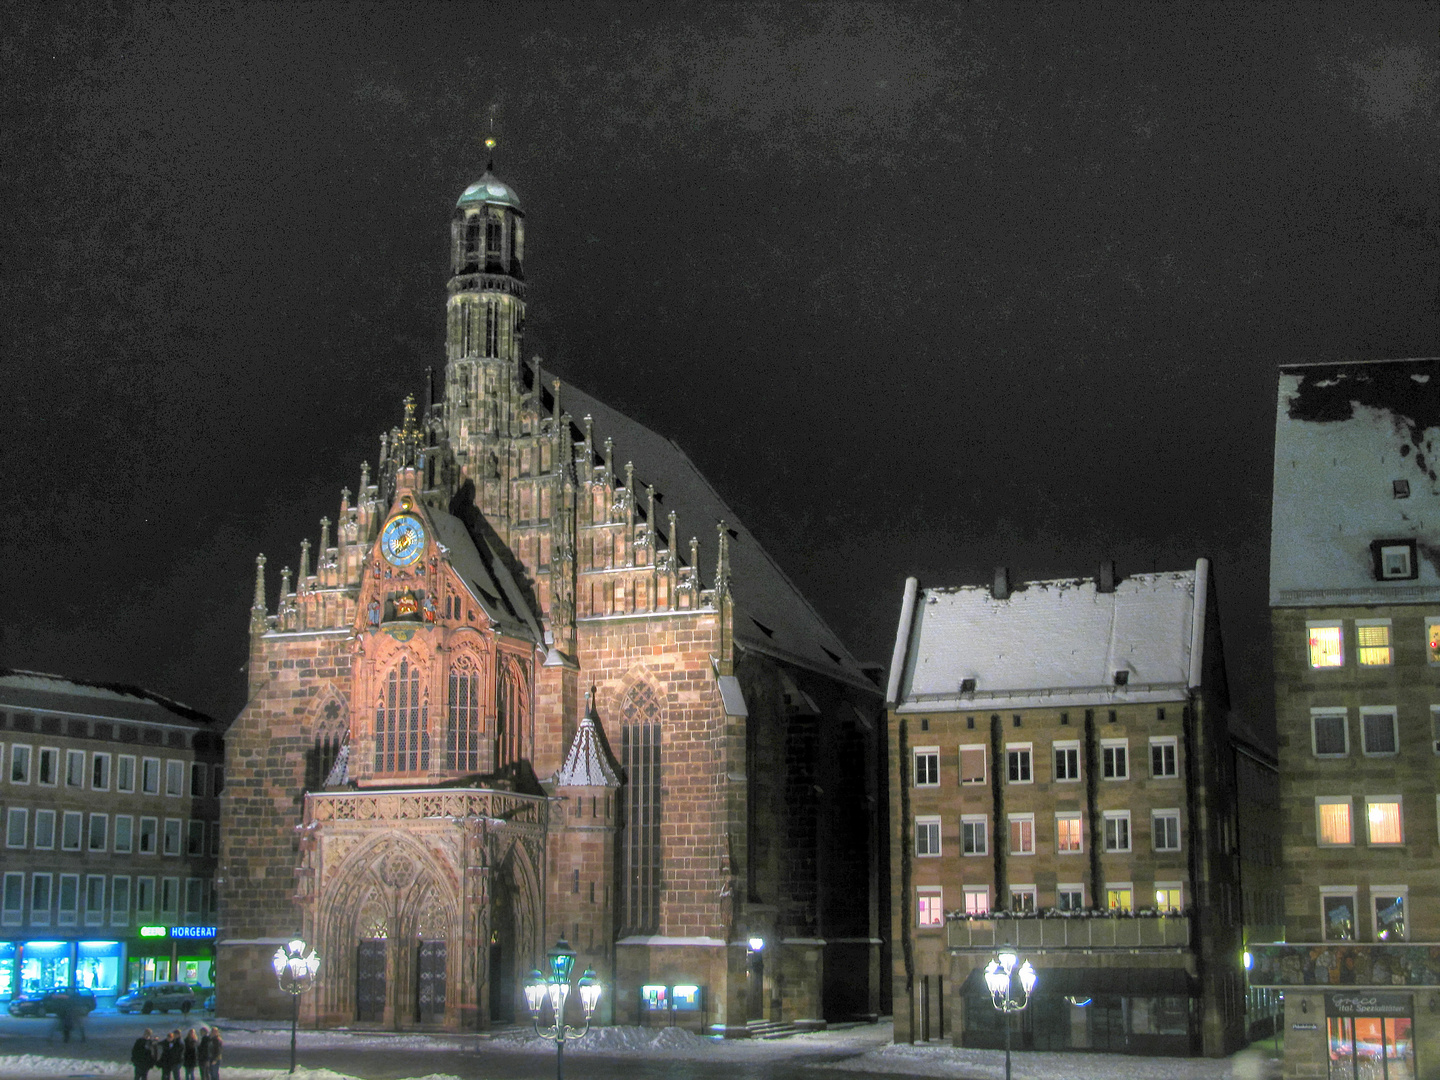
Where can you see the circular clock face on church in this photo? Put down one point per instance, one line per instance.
(402, 541)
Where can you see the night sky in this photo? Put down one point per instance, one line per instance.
(922, 289)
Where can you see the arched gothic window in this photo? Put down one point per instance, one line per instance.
(402, 737)
(462, 720)
(511, 700)
(330, 735)
(640, 731)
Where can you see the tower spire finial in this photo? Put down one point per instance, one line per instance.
(490, 142)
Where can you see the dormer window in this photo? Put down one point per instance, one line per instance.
(1394, 560)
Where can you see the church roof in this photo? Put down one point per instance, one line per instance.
(771, 616)
(589, 762)
(488, 579)
(1051, 643)
(492, 190)
(1355, 464)
(120, 701)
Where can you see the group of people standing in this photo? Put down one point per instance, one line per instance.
(172, 1053)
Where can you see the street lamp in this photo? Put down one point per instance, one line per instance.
(554, 986)
(296, 966)
(1002, 991)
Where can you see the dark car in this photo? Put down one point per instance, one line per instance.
(50, 1002)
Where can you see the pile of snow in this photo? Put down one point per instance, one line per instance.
(615, 1039)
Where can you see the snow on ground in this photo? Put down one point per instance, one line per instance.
(950, 1061)
(875, 1055)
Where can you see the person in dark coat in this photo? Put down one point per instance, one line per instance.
(172, 1056)
(217, 1044)
(142, 1055)
(192, 1053)
(202, 1053)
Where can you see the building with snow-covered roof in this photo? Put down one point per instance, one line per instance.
(108, 797)
(1355, 631)
(545, 684)
(1062, 782)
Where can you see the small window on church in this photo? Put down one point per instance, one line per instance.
(493, 229)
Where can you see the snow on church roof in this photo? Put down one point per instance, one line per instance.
(1050, 643)
(489, 581)
(77, 697)
(771, 616)
(1355, 462)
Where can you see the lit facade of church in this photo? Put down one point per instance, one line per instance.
(423, 785)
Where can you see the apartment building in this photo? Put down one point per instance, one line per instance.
(111, 830)
(1062, 783)
(1355, 628)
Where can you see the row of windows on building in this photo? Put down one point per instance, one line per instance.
(1374, 642)
(1383, 817)
(1379, 731)
(1119, 896)
(1020, 765)
(1388, 913)
(69, 830)
(43, 766)
(1069, 833)
(98, 900)
(402, 717)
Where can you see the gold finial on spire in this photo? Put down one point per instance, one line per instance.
(490, 141)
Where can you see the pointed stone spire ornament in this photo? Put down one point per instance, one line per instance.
(365, 478)
(285, 581)
(257, 606)
(722, 563)
(324, 537)
(304, 565)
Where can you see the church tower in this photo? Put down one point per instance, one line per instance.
(485, 320)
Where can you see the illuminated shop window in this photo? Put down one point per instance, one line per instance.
(1169, 896)
(1327, 644)
(1432, 640)
(1372, 640)
(1120, 896)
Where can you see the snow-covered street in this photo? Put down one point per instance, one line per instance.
(253, 1052)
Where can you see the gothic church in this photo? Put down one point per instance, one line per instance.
(507, 704)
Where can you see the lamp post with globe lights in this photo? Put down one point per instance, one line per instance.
(1000, 979)
(554, 986)
(296, 965)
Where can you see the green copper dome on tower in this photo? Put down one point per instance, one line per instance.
(492, 191)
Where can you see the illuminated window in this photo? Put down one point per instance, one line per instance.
(1165, 825)
(927, 766)
(974, 829)
(1378, 731)
(1018, 763)
(1163, 757)
(1332, 818)
(1070, 896)
(1115, 759)
(977, 899)
(927, 837)
(1169, 896)
(462, 724)
(1117, 830)
(1389, 903)
(1069, 834)
(402, 735)
(1330, 732)
(1337, 913)
(1327, 644)
(1383, 820)
(1120, 896)
(1432, 640)
(1023, 898)
(1372, 640)
(972, 764)
(931, 908)
(1067, 761)
(1022, 834)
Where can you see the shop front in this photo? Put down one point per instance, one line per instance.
(33, 967)
(172, 954)
(1370, 1035)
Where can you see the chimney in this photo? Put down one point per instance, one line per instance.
(1000, 587)
(1105, 583)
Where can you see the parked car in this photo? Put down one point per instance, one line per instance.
(49, 1002)
(158, 997)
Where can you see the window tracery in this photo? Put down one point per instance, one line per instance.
(463, 721)
(402, 737)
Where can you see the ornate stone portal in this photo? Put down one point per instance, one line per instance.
(426, 905)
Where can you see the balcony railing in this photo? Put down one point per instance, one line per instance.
(1059, 932)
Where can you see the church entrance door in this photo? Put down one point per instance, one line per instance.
(430, 992)
(370, 982)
